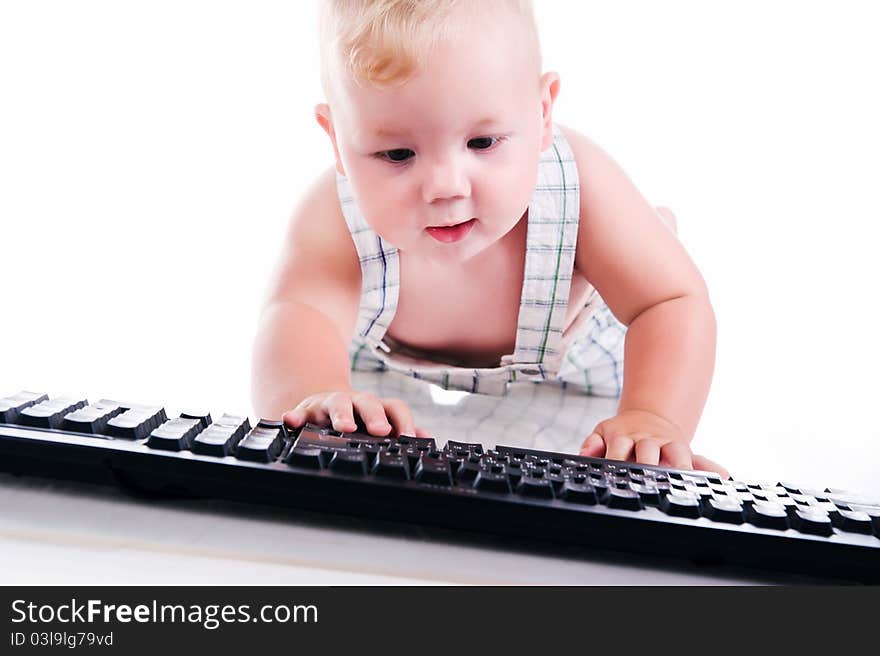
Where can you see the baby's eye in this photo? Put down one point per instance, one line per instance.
(483, 143)
(397, 155)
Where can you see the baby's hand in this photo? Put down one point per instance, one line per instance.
(647, 438)
(379, 416)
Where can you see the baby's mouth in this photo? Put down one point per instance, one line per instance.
(451, 233)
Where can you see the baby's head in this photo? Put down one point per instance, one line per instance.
(438, 113)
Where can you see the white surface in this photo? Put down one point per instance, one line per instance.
(62, 533)
(150, 155)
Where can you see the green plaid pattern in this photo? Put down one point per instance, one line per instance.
(589, 354)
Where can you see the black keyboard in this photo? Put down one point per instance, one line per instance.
(538, 495)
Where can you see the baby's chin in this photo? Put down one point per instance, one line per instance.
(445, 254)
(461, 255)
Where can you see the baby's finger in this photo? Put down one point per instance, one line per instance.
(421, 432)
(593, 446)
(339, 411)
(648, 452)
(676, 455)
(400, 416)
(311, 410)
(294, 418)
(372, 412)
(702, 462)
(619, 448)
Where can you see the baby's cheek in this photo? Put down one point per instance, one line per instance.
(509, 194)
(513, 181)
(386, 213)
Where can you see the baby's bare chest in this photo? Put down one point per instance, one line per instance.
(466, 317)
(458, 314)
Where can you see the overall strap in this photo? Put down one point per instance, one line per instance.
(554, 212)
(380, 270)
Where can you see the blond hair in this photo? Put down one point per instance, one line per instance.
(385, 42)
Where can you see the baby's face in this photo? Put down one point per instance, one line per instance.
(457, 144)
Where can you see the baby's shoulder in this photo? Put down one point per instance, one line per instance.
(318, 265)
(317, 248)
(584, 149)
(317, 225)
(599, 176)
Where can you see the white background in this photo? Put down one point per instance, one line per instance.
(151, 152)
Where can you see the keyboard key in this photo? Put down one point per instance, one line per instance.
(307, 457)
(557, 479)
(514, 472)
(791, 488)
(827, 507)
(91, 419)
(492, 480)
(852, 521)
(319, 436)
(842, 497)
(622, 477)
(413, 452)
(809, 520)
(534, 484)
(433, 471)
(494, 456)
(370, 451)
(11, 406)
(820, 495)
(873, 512)
(537, 461)
(803, 500)
(349, 462)
(623, 499)
(174, 435)
(468, 469)
(49, 413)
(419, 443)
(390, 465)
(203, 418)
(702, 491)
(578, 491)
(220, 438)
(649, 493)
(263, 443)
(136, 423)
(767, 514)
(725, 510)
(599, 484)
(681, 504)
(465, 448)
(789, 503)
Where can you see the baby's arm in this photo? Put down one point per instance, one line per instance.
(300, 366)
(651, 285)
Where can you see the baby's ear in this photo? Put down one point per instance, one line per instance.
(325, 120)
(549, 90)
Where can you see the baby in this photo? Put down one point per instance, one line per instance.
(465, 238)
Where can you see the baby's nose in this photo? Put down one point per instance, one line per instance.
(444, 180)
